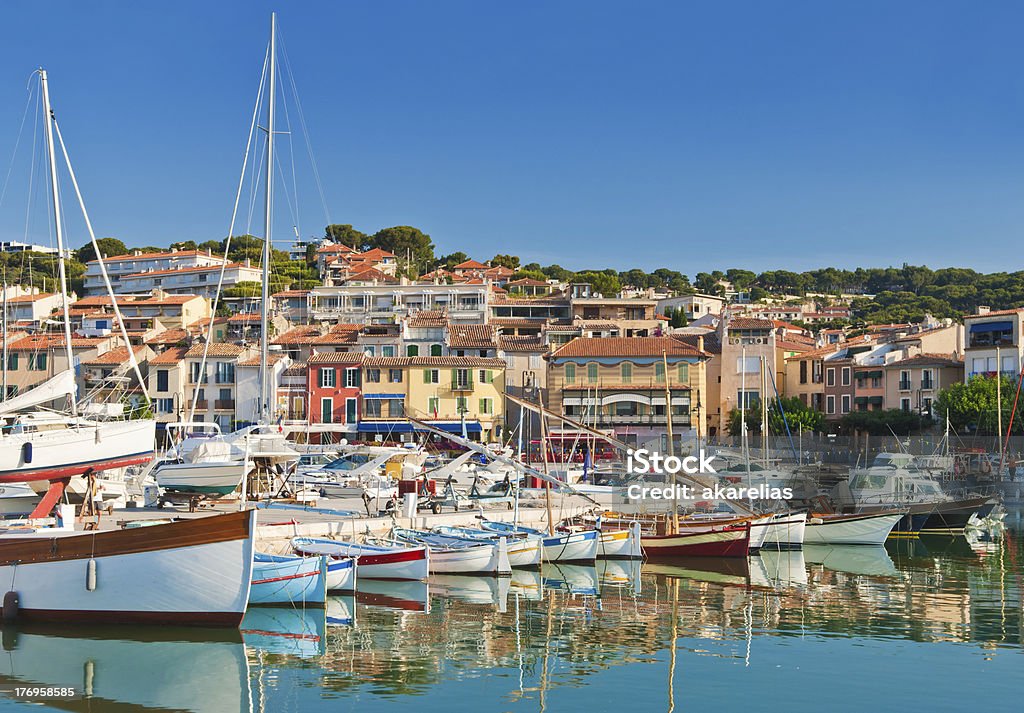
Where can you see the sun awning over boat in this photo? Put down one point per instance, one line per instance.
(56, 387)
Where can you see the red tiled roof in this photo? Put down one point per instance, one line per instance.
(625, 347)
(997, 313)
(470, 265)
(375, 254)
(168, 336)
(471, 336)
(336, 358)
(52, 341)
(749, 323)
(928, 359)
(114, 357)
(522, 344)
(427, 318)
(174, 355)
(29, 298)
(244, 317)
(436, 361)
(217, 349)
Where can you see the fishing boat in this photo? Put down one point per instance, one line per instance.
(209, 467)
(569, 546)
(374, 561)
(523, 551)
(188, 572)
(620, 544)
(785, 531)
(728, 541)
(451, 555)
(284, 579)
(851, 529)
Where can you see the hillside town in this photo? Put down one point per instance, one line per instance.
(368, 347)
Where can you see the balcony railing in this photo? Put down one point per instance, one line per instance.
(224, 404)
(202, 404)
(904, 386)
(927, 384)
(462, 386)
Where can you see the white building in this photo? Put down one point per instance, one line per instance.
(694, 306)
(190, 280)
(118, 266)
(381, 304)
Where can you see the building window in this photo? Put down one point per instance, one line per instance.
(372, 408)
(161, 380)
(225, 372)
(434, 405)
(683, 373)
(626, 371)
(387, 350)
(803, 372)
(12, 362)
(926, 379)
(846, 403)
(194, 373)
(659, 372)
(369, 350)
(904, 404)
(373, 376)
(395, 376)
(626, 408)
(435, 349)
(327, 410)
(412, 350)
(992, 334)
(830, 378)
(486, 406)
(165, 405)
(592, 372)
(487, 376)
(830, 404)
(327, 378)
(570, 373)
(904, 380)
(350, 411)
(431, 376)
(846, 376)
(928, 406)
(353, 378)
(462, 379)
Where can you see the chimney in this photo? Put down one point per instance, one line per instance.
(984, 309)
(700, 342)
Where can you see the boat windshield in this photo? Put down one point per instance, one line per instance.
(348, 462)
(868, 481)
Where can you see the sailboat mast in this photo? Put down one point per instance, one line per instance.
(51, 153)
(266, 382)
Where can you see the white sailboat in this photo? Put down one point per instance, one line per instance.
(39, 444)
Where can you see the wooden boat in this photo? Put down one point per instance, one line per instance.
(284, 579)
(524, 551)
(728, 541)
(620, 544)
(786, 531)
(450, 555)
(850, 529)
(702, 522)
(580, 546)
(190, 572)
(374, 561)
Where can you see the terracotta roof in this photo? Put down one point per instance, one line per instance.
(791, 346)
(244, 317)
(114, 357)
(514, 322)
(51, 341)
(217, 349)
(370, 273)
(470, 265)
(296, 368)
(471, 336)
(522, 344)
(29, 298)
(255, 361)
(438, 361)
(625, 347)
(997, 313)
(427, 318)
(336, 248)
(749, 323)
(340, 334)
(375, 254)
(928, 359)
(174, 355)
(711, 343)
(499, 271)
(336, 358)
(307, 334)
(169, 336)
(291, 293)
(824, 351)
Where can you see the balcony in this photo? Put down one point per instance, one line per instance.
(927, 384)
(462, 386)
(202, 404)
(904, 386)
(224, 405)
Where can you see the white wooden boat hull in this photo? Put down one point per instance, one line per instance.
(63, 453)
(191, 572)
(786, 531)
(491, 559)
(620, 544)
(17, 498)
(571, 546)
(373, 562)
(295, 581)
(851, 530)
(525, 552)
(341, 574)
(210, 478)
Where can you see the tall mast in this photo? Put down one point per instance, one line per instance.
(267, 390)
(58, 226)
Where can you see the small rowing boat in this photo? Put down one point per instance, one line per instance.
(397, 562)
(451, 555)
(580, 546)
(287, 579)
(729, 541)
(523, 551)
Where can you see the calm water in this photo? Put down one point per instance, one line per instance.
(929, 626)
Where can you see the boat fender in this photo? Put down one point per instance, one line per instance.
(10, 610)
(815, 521)
(90, 575)
(10, 638)
(89, 676)
(26, 451)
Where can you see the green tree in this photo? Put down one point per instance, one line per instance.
(797, 416)
(676, 317)
(402, 240)
(973, 404)
(885, 423)
(346, 235)
(509, 261)
(607, 285)
(184, 245)
(108, 247)
(214, 246)
(450, 261)
(706, 283)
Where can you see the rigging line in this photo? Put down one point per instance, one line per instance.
(257, 169)
(291, 158)
(227, 241)
(17, 143)
(293, 209)
(305, 128)
(103, 269)
(32, 176)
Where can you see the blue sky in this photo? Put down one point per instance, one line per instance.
(693, 136)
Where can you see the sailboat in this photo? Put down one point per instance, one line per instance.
(41, 444)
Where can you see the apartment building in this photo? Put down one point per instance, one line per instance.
(333, 383)
(138, 262)
(198, 280)
(620, 383)
(747, 343)
(213, 387)
(423, 333)
(32, 359)
(913, 383)
(166, 382)
(382, 304)
(32, 309)
(805, 376)
(993, 342)
(694, 306)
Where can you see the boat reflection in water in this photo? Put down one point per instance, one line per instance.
(284, 630)
(575, 579)
(854, 559)
(138, 668)
(492, 591)
(397, 594)
(778, 569)
(527, 584)
(620, 573)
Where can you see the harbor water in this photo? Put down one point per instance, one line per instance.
(930, 625)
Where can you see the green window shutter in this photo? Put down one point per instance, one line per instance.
(426, 376)
(455, 376)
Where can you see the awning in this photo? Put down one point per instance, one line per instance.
(406, 427)
(875, 400)
(861, 400)
(383, 396)
(992, 327)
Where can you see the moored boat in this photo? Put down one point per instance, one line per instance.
(578, 546)
(850, 529)
(285, 579)
(729, 541)
(193, 572)
(620, 544)
(450, 555)
(785, 531)
(524, 551)
(374, 561)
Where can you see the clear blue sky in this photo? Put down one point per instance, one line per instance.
(591, 133)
